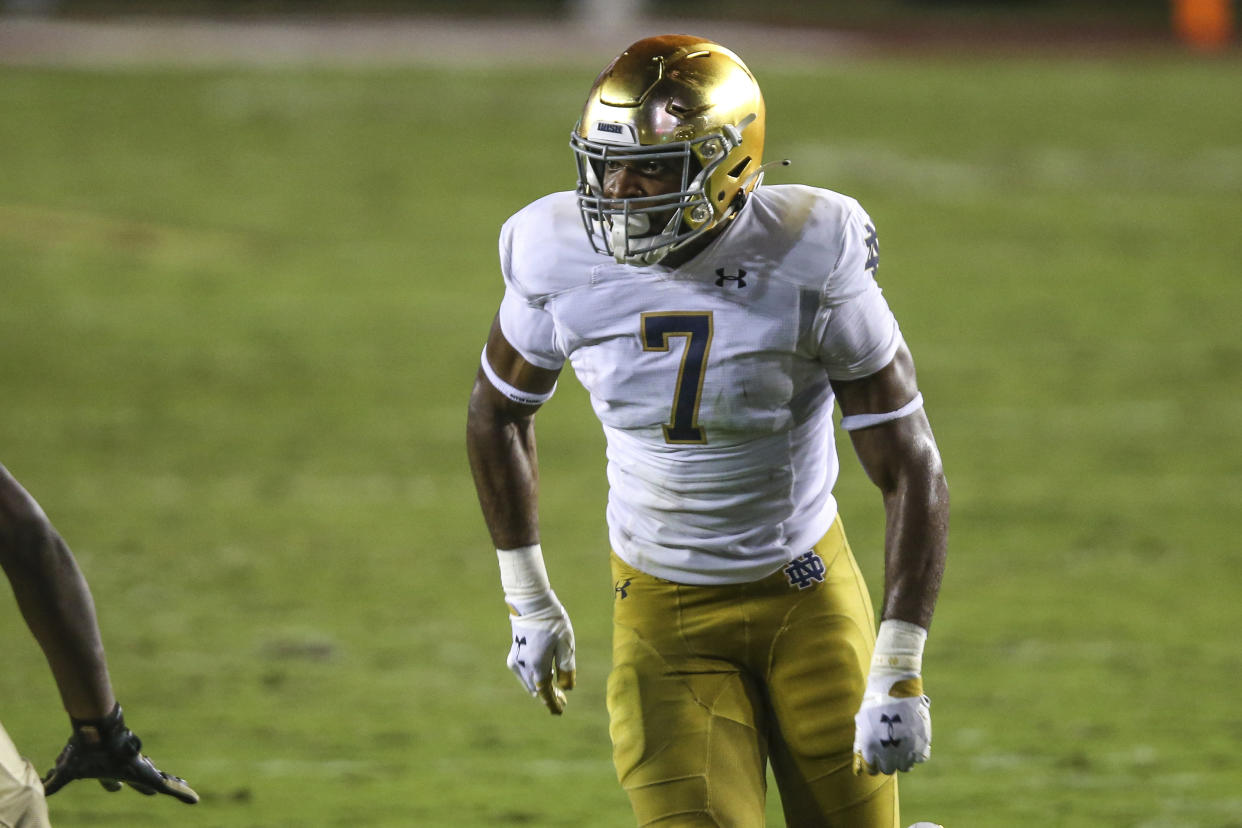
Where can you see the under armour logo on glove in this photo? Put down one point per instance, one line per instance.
(892, 732)
(892, 740)
(542, 655)
(806, 570)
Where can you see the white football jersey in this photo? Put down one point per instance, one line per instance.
(710, 379)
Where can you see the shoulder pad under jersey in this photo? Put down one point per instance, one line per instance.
(544, 249)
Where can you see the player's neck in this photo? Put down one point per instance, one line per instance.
(681, 255)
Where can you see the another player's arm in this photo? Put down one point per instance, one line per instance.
(500, 441)
(55, 601)
(56, 604)
(902, 459)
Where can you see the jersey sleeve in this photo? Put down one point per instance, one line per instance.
(858, 334)
(524, 321)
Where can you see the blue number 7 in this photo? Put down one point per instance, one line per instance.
(696, 327)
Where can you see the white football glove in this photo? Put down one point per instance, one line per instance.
(892, 730)
(542, 653)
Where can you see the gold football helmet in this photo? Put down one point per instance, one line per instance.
(677, 99)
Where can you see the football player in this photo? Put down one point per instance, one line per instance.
(715, 323)
(56, 603)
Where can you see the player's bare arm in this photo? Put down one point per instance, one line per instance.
(894, 442)
(901, 458)
(500, 441)
(56, 603)
(54, 600)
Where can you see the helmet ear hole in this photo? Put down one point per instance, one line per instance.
(739, 168)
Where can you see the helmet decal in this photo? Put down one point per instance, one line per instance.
(608, 132)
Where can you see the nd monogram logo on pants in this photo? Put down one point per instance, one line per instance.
(805, 570)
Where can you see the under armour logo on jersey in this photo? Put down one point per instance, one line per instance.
(873, 250)
(806, 570)
(891, 741)
(622, 588)
(740, 278)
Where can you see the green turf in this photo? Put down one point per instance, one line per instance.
(240, 312)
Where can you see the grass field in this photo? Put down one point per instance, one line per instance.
(241, 310)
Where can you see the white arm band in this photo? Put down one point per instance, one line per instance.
(515, 394)
(856, 421)
(899, 647)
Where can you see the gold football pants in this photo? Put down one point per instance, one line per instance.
(710, 683)
(21, 793)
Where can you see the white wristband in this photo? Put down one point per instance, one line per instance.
(523, 575)
(899, 647)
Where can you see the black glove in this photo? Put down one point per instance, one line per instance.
(105, 749)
